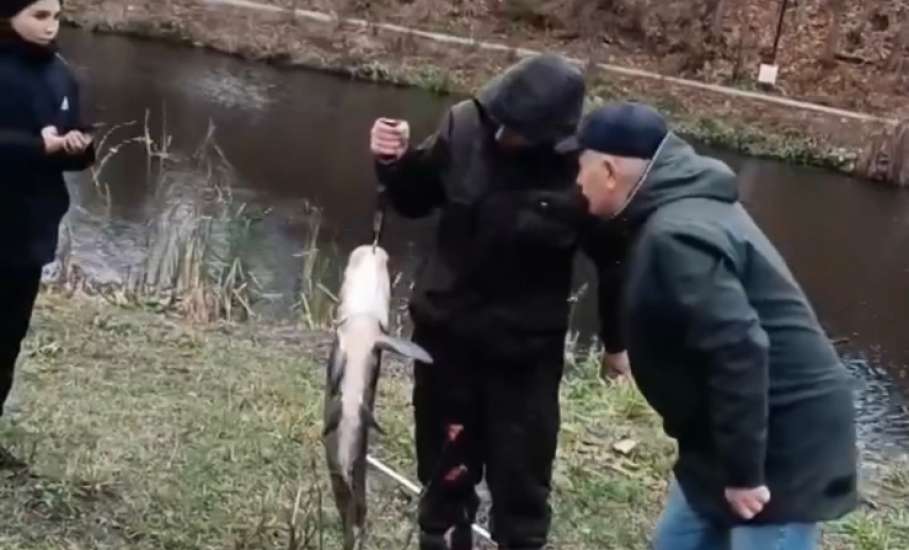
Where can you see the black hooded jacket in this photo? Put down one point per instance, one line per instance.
(510, 222)
(38, 90)
(726, 347)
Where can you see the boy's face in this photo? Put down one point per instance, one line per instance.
(39, 23)
(599, 183)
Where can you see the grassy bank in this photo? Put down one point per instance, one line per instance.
(145, 432)
(375, 54)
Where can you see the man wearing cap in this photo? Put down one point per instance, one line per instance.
(491, 303)
(722, 343)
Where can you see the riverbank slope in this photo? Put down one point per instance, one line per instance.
(862, 144)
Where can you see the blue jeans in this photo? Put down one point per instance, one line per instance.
(681, 528)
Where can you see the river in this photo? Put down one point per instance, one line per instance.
(297, 137)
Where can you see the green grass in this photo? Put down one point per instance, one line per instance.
(145, 432)
(886, 525)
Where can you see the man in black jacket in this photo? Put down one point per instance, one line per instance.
(41, 136)
(723, 344)
(491, 302)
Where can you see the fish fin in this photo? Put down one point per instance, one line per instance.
(370, 420)
(404, 348)
(336, 366)
(332, 416)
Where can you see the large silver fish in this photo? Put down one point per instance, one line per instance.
(353, 374)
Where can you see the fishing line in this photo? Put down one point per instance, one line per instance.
(378, 218)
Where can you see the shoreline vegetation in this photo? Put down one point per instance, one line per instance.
(868, 148)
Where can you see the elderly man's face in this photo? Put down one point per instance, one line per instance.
(599, 183)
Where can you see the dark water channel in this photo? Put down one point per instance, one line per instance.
(297, 137)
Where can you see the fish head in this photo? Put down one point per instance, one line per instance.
(368, 257)
(366, 288)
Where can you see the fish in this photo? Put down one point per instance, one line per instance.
(352, 376)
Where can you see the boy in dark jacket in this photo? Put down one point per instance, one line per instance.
(41, 136)
(723, 344)
(491, 302)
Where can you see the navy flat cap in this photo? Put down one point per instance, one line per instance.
(625, 129)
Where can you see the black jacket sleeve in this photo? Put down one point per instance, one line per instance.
(20, 147)
(17, 147)
(607, 248)
(611, 277)
(75, 163)
(413, 184)
(700, 285)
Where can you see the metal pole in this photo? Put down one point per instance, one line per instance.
(779, 29)
(413, 489)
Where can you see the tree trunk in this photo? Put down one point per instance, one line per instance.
(638, 13)
(716, 11)
(837, 9)
(743, 47)
(899, 48)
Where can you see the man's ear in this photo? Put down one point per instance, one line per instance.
(612, 172)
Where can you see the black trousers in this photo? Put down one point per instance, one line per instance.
(498, 417)
(18, 290)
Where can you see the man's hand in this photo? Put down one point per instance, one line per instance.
(615, 366)
(76, 143)
(748, 503)
(389, 139)
(53, 142)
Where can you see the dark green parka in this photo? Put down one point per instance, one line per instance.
(726, 347)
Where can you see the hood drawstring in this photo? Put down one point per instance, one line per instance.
(643, 178)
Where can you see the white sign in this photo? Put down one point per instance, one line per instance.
(768, 74)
